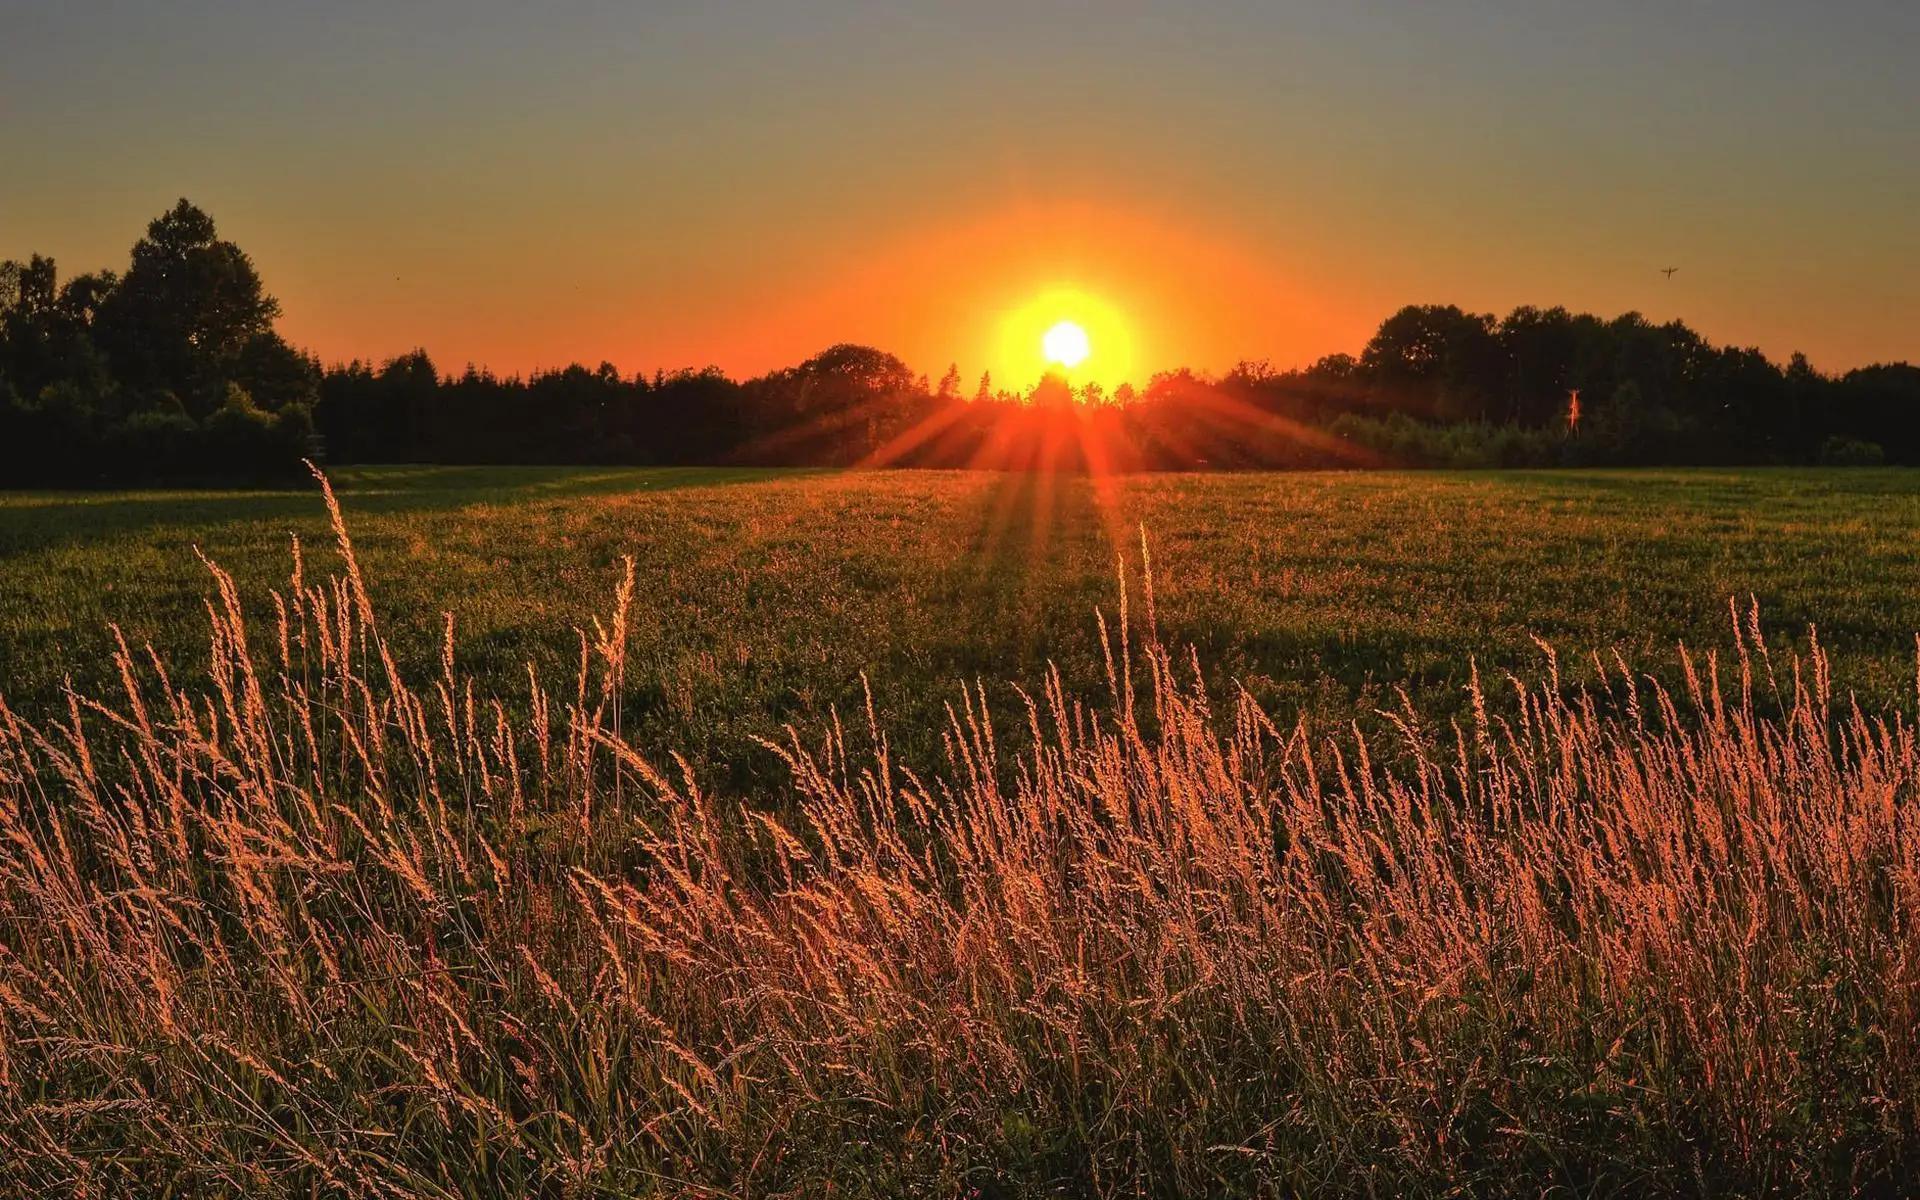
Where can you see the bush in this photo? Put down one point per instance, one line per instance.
(1841, 451)
(1403, 441)
(156, 444)
(244, 442)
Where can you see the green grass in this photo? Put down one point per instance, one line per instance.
(327, 930)
(763, 595)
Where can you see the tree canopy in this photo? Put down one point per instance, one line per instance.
(174, 370)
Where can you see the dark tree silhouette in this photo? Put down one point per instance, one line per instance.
(174, 371)
(1438, 362)
(185, 312)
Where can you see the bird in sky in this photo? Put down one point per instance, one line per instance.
(1668, 272)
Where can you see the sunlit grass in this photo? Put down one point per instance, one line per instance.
(767, 594)
(331, 924)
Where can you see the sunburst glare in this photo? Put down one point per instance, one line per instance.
(1066, 345)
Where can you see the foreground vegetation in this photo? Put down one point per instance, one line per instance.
(327, 925)
(762, 597)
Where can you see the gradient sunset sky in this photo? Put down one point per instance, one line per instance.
(677, 184)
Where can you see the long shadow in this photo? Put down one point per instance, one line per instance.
(1022, 524)
(32, 521)
(1646, 484)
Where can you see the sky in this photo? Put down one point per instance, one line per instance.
(677, 184)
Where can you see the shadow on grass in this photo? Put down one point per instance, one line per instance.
(37, 520)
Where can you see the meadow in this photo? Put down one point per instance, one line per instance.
(1352, 845)
(761, 597)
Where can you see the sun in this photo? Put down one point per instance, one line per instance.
(1062, 329)
(1066, 344)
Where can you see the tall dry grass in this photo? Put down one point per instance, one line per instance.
(317, 929)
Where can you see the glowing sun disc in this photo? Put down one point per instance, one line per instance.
(1066, 344)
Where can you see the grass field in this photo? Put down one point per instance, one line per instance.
(762, 596)
(317, 919)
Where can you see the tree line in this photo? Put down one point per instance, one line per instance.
(173, 370)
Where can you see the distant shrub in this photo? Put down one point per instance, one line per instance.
(244, 441)
(155, 444)
(1841, 451)
(1403, 441)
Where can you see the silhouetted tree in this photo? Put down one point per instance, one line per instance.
(837, 407)
(154, 374)
(174, 370)
(1542, 348)
(185, 312)
(1438, 362)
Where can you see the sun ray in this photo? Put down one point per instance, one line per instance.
(1254, 419)
(924, 434)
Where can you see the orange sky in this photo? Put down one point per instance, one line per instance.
(1158, 286)
(981, 292)
(973, 288)
(741, 185)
